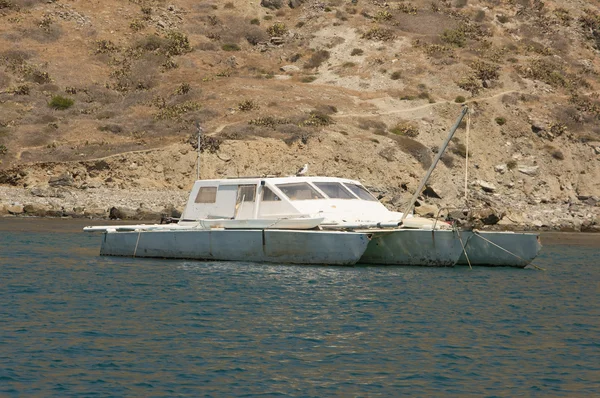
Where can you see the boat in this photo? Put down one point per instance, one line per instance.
(309, 220)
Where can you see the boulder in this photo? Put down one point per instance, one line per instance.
(15, 209)
(171, 211)
(3, 210)
(295, 3)
(272, 4)
(486, 186)
(500, 168)
(122, 213)
(430, 192)
(63, 180)
(426, 210)
(35, 210)
(528, 170)
(277, 41)
(289, 68)
(487, 216)
(47, 192)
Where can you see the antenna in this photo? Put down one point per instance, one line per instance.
(200, 131)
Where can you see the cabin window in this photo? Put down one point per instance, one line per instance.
(334, 190)
(206, 195)
(299, 191)
(361, 192)
(269, 196)
(246, 193)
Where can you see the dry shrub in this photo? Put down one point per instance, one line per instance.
(277, 29)
(406, 129)
(326, 109)
(549, 71)
(316, 59)
(590, 22)
(414, 148)
(255, 35)
(485, 71)
(378, 33)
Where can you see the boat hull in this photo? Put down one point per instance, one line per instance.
(275, 246)
(486, 248)
(432, 248)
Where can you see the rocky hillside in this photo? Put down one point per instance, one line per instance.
(104, 96)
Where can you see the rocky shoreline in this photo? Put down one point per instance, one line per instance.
(152, 205)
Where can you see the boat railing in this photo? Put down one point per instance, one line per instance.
(468, 214)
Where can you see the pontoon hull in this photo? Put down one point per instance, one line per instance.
(413, 247)
(274, 246)
(501, 249)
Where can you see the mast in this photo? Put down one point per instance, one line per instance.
(434, 163)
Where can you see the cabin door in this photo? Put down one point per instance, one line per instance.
(244, 205)
(225, 206)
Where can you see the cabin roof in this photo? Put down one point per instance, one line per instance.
(277, 180)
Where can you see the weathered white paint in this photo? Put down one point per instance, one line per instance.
(481, 252)
(279, 246)
(431, 248)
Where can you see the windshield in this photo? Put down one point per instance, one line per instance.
(299, 191)
(361, 192)
(334, 190)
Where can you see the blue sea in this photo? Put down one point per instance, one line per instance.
(74, 324)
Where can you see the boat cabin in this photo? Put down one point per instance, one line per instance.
(334, 199)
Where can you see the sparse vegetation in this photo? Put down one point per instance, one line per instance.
(277, 29)
(230, 47)
(60, 103)
(563, 16)
(460, 99)
(502, 18)
(590, 22)
(396, 75)
(511, 164)
(137, 24)
(378, 33)
(408, 8)
(316, 59)
(22, 89)
(248, 105)
(485, 71)
(170, 112)
(405, 129)
(183, 88)
(357, 51)
(500, 121)
(454, 37)
(317, 119)
(255, 21)
(383, 15)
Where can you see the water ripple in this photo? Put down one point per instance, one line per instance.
(75, 324)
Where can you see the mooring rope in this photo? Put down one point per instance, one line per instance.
(136, 243)
(509, 252)
(464, 249)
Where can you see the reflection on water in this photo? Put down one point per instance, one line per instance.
(76, 324)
